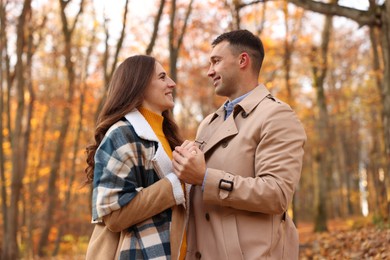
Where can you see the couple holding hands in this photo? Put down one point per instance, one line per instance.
(224, 195)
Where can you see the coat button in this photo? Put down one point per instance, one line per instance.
(198, 255)
(224, 144)
(207, 216)
(244, 114)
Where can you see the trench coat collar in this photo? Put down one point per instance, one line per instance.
(253, 99)
(219, 129)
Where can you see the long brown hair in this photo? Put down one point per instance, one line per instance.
(125, 93)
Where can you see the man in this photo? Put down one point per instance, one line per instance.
(248, 163)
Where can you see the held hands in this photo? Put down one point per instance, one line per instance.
(189, 163)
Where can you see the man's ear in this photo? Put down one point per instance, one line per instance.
(244, 60)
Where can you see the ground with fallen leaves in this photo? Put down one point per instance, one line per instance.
(345, 240)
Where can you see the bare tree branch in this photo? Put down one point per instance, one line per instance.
(157, 19)
(359, 16)
(77, 16)
(120, 41)
(183, 31)
(174, 47)
(242, 5)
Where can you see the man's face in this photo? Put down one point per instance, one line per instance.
(224, 69)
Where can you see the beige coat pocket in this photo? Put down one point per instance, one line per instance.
(232, 243)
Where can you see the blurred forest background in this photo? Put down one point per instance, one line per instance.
(330, 60)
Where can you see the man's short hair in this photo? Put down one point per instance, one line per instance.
(244, 41)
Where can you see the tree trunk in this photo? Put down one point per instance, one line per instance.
(10, 247)
(173, 50)
(288, 52)
(4, 58)
(109, 72)
(375, 186)
(235, 8)
(323, 156)
(175, 45)
(65, 121)
(345, 148)
(73, 171)
(30, 110)
(33, 184)
(386, 97)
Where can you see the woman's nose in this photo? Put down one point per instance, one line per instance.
(171, 83)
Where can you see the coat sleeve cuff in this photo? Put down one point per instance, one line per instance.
(177, 188)
(212, 187)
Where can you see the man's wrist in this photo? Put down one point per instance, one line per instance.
(204, 179)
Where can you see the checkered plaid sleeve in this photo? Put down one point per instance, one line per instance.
(119, 162)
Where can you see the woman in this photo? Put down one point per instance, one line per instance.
(137, 203)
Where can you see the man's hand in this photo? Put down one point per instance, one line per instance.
(189, 163)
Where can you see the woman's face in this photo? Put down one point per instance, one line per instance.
(158, 95)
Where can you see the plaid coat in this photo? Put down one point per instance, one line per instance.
(132, 166)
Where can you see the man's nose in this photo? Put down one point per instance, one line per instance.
(210, 72)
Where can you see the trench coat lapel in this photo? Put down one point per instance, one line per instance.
(218, 130)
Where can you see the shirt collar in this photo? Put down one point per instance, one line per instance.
(235, 101)
(229, 105)
(248, 104)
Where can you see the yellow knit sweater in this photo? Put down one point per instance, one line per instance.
(156, 122)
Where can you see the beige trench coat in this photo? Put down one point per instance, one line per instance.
(254, 161)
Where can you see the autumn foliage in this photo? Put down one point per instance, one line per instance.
(330, 65)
